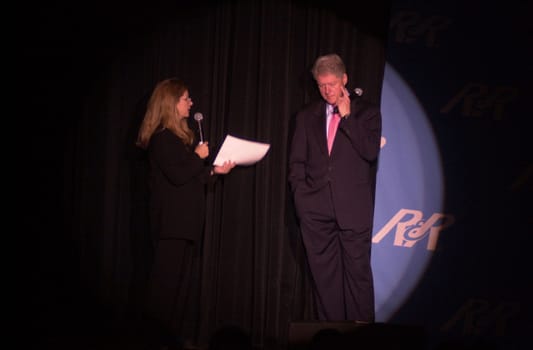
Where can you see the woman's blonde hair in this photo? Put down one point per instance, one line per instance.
(161, 113)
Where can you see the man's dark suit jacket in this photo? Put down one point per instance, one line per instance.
(350, 170)
(177, 181)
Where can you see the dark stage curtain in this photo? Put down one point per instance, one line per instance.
(247, 65)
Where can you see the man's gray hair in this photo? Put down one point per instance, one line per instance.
(328, 64)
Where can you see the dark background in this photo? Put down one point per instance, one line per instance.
(87, 69)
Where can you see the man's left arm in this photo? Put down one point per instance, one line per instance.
(363, 128)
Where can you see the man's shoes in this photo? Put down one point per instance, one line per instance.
(362, 322)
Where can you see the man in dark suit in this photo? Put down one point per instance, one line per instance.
(334, 193)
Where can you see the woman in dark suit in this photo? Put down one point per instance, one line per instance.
(178, 177)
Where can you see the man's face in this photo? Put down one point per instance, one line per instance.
(330, 87)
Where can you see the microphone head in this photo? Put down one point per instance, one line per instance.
(198, 116)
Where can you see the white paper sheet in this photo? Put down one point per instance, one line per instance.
(242, 152)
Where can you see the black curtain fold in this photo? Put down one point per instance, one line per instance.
(247, 65)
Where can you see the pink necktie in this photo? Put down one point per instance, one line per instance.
(332, 129)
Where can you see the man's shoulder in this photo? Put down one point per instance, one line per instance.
(362, 103)
(313, 108)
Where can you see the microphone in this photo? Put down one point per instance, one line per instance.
(357, 93)
(199, 117)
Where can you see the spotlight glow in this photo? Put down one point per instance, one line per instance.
(409, 193)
